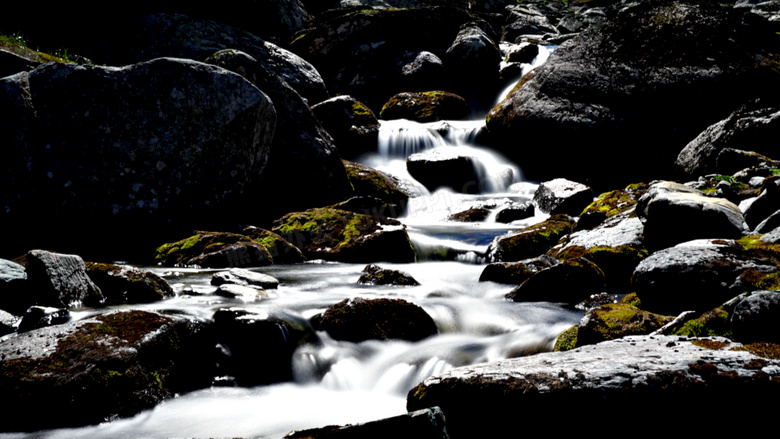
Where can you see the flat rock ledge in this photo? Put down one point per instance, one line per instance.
(690, 382)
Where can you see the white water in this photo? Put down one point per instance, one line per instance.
(369, 380)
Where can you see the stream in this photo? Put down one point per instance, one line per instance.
(369, 380)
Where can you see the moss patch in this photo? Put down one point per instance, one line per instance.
(566, 340)
(617, 320)
(711, 323)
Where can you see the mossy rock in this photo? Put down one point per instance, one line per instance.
(282, 252)
(124, 284)
(213, 250)
(515, 273)
(617, 262)
(567, 339)
(609, 204)
(339, 235)
(428, 106)
(531, 241)
(369, 182)
(376, 275)
(617, 320)
(570, 282)
(715, 322)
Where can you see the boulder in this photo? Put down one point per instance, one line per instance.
(523, 21)
(673, 213)
(515, 213)
(257, 345)
(279, 248)
(359, 319)
(369, 182)
(472, 62)
(103, 367)
(562, 196)
(353, 126)
(126, 284)
(476, 214)
(745, 129)
(41, 316)
(765, 204)
(598, 381)
(104, 157)
(339, 235)
(427, 106)
(304, 165)
(617, 320)
(213, 250)
(755, 317)
(569, 282)
(375, 275)
(531, 241)
(515, 273)
(446, 167)
(8, 323)
(59, 280)
(651, 76)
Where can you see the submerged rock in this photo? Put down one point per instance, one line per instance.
(244, 277)
(376, 275)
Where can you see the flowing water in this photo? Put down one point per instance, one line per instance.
(368, 380)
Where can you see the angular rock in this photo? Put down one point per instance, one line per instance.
(42, 316)
(8, 323)
(60, 281)
(376, 275)
(562, 196)
(361, 319)
(473, 63)
(531, 241)
(673, 213)
(353, 126)
(245, 293)
(427, 106)
(125, 284)
(765, 205)
(640, 372)
(107, 366)
(745, 129)
(244, 277)
(515, 213)
(339, 235)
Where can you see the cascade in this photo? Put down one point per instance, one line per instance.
(337, 382)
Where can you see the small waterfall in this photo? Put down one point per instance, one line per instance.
(401, 138)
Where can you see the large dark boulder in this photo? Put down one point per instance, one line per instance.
(361, 319)
(122, 284)
(59, 280)
(427, 106)
(213, 250)
(447, 168)
(107, 366)
(641, 374)
(635, 90)
(101, 153)
(304, 167)
(531, 241)
(353, 126)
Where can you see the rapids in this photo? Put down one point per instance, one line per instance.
(339, 383)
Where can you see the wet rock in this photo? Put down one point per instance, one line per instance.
(376, 275)
(213, 250)
(765, 205)
(42, 316)
(609, 204)
(696, 275)
(515, 273)
(339, 235)
(531, 241)
(304, 165)
(108, 158)
(515, 213)
(650, 76)
(243, 292)
(361, 319)
(523, 21)
(747, 128)
(279, 248)
(617, 320)
(755, 317)
(353, 126)
(107, 366)
(562, 196)
(477, 214)
(674, 213)
(370, 182)
(637, 371)
(569, 282)
(427, 106)
(258, 345)
(125, 284)
(422, 424)
(244, 277)
(437, 168)
(61, 281)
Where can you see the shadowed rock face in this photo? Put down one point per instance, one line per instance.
(649, 79)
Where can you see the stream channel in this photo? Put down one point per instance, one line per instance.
(369, 380)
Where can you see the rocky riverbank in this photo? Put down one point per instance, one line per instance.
(206, 138)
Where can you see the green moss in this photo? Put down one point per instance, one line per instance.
(712, 323)
(753, 279)
(617, 320)
(762, 349)
(616, 201)
(567, 340)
